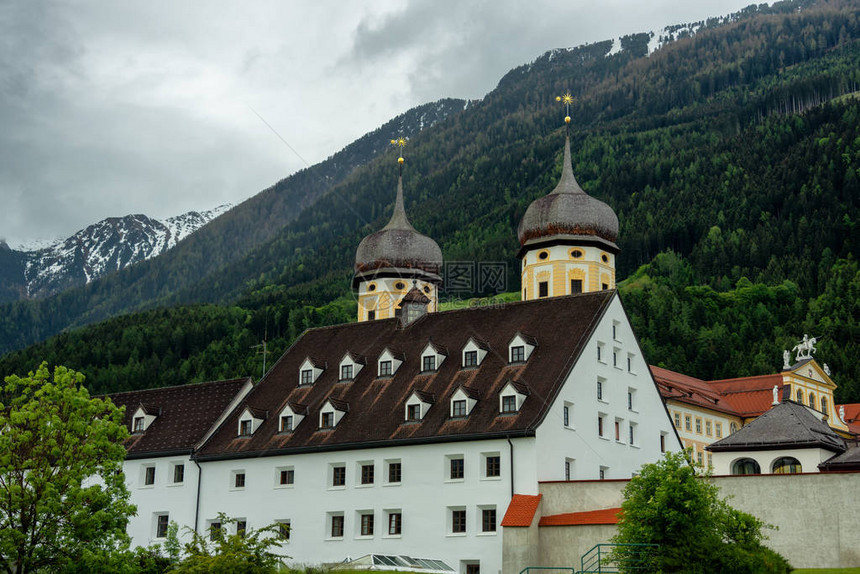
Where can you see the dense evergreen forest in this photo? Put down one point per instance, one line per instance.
(731, 157)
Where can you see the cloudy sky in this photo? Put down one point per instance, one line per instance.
(116, 107)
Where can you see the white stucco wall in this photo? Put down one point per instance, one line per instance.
(809, 459)
(424, 498)
(579, 442)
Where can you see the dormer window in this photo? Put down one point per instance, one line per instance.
(144, 416)
(350, 366)
(250, 420)
(431, 357)
(463, 401)
(332, 412)
(520, 348)
(417, 405)
(384, 368)
(389, 362)
(310, 370)
(290, 417)
(512, 397)
(474, 352)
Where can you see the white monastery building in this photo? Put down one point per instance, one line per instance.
(409, 432)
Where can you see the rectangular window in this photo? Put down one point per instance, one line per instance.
(470, 359)
(600, 426)
(371, 315)
(699, 457)
(604, 286)
(629, 364)
(338, 476)
(630, 400)
(178, 473)
(518, 354)
(241, 527)
(458, 408)
(488, 520)
(394, 472)
(617, 430)
(384, 368)
(708, 428)
(576, 285)
(287, 476)
(710, 459)
(699, 425)
(284, 530)
(214, 529)
(615, 330)
(162, 522)
(458, 521)
(688, 422)
(138, 424)
(337, 526)
(631, 433)
(602, 473)
(307, 376)
(413, 412)
(614, 358)
(543, 289)
(599, 352)
(149, 476)
(367, 474)
(239, 480)
(286, 423)
(599, 390)
(245, 428)
(327, 420)
(428, 363)
(345, 372)
(509, 404)
(662, 442)
(367, 525)
(457, 468)
(566, 416)
(567, 470)
(494, 466)
(395, 522)
(678, 420)
(718, 428)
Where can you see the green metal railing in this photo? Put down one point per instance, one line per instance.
(527, 569)
(633, 558)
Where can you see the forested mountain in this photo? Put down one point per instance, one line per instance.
(730, 157)
(198, 260)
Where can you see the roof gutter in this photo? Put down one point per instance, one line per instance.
(528, 432)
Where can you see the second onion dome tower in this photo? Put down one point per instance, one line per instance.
(567, 238)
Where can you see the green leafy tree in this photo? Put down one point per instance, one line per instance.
(696, 530)
(62, 491)
(247, 552)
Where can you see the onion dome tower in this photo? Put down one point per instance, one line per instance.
(567, 238)
(390, 261)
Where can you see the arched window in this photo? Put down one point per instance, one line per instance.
(811, 400)
(786, 465)
(824, 405)
(746, 466)
(799, 396)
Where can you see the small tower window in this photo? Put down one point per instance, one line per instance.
(605, 286)
(543, 254)
(576, 286)
(371, 315)
(543, 289)
(371, 287)
(576, 254)
(604, 258)
(400, 285)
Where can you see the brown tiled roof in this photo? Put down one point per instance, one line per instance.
(187, 414)
(848, 460)
(562, 326)
(521, 510)
(690, 390)
(750, 396)
(604, 516)
(786, 425)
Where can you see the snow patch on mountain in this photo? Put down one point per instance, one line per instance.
(109, 245)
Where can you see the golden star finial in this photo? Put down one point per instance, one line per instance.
(401, 143)
(566, 99)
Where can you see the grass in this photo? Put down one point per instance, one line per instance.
(827, 571)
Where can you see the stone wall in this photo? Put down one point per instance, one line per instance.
(817, 516)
